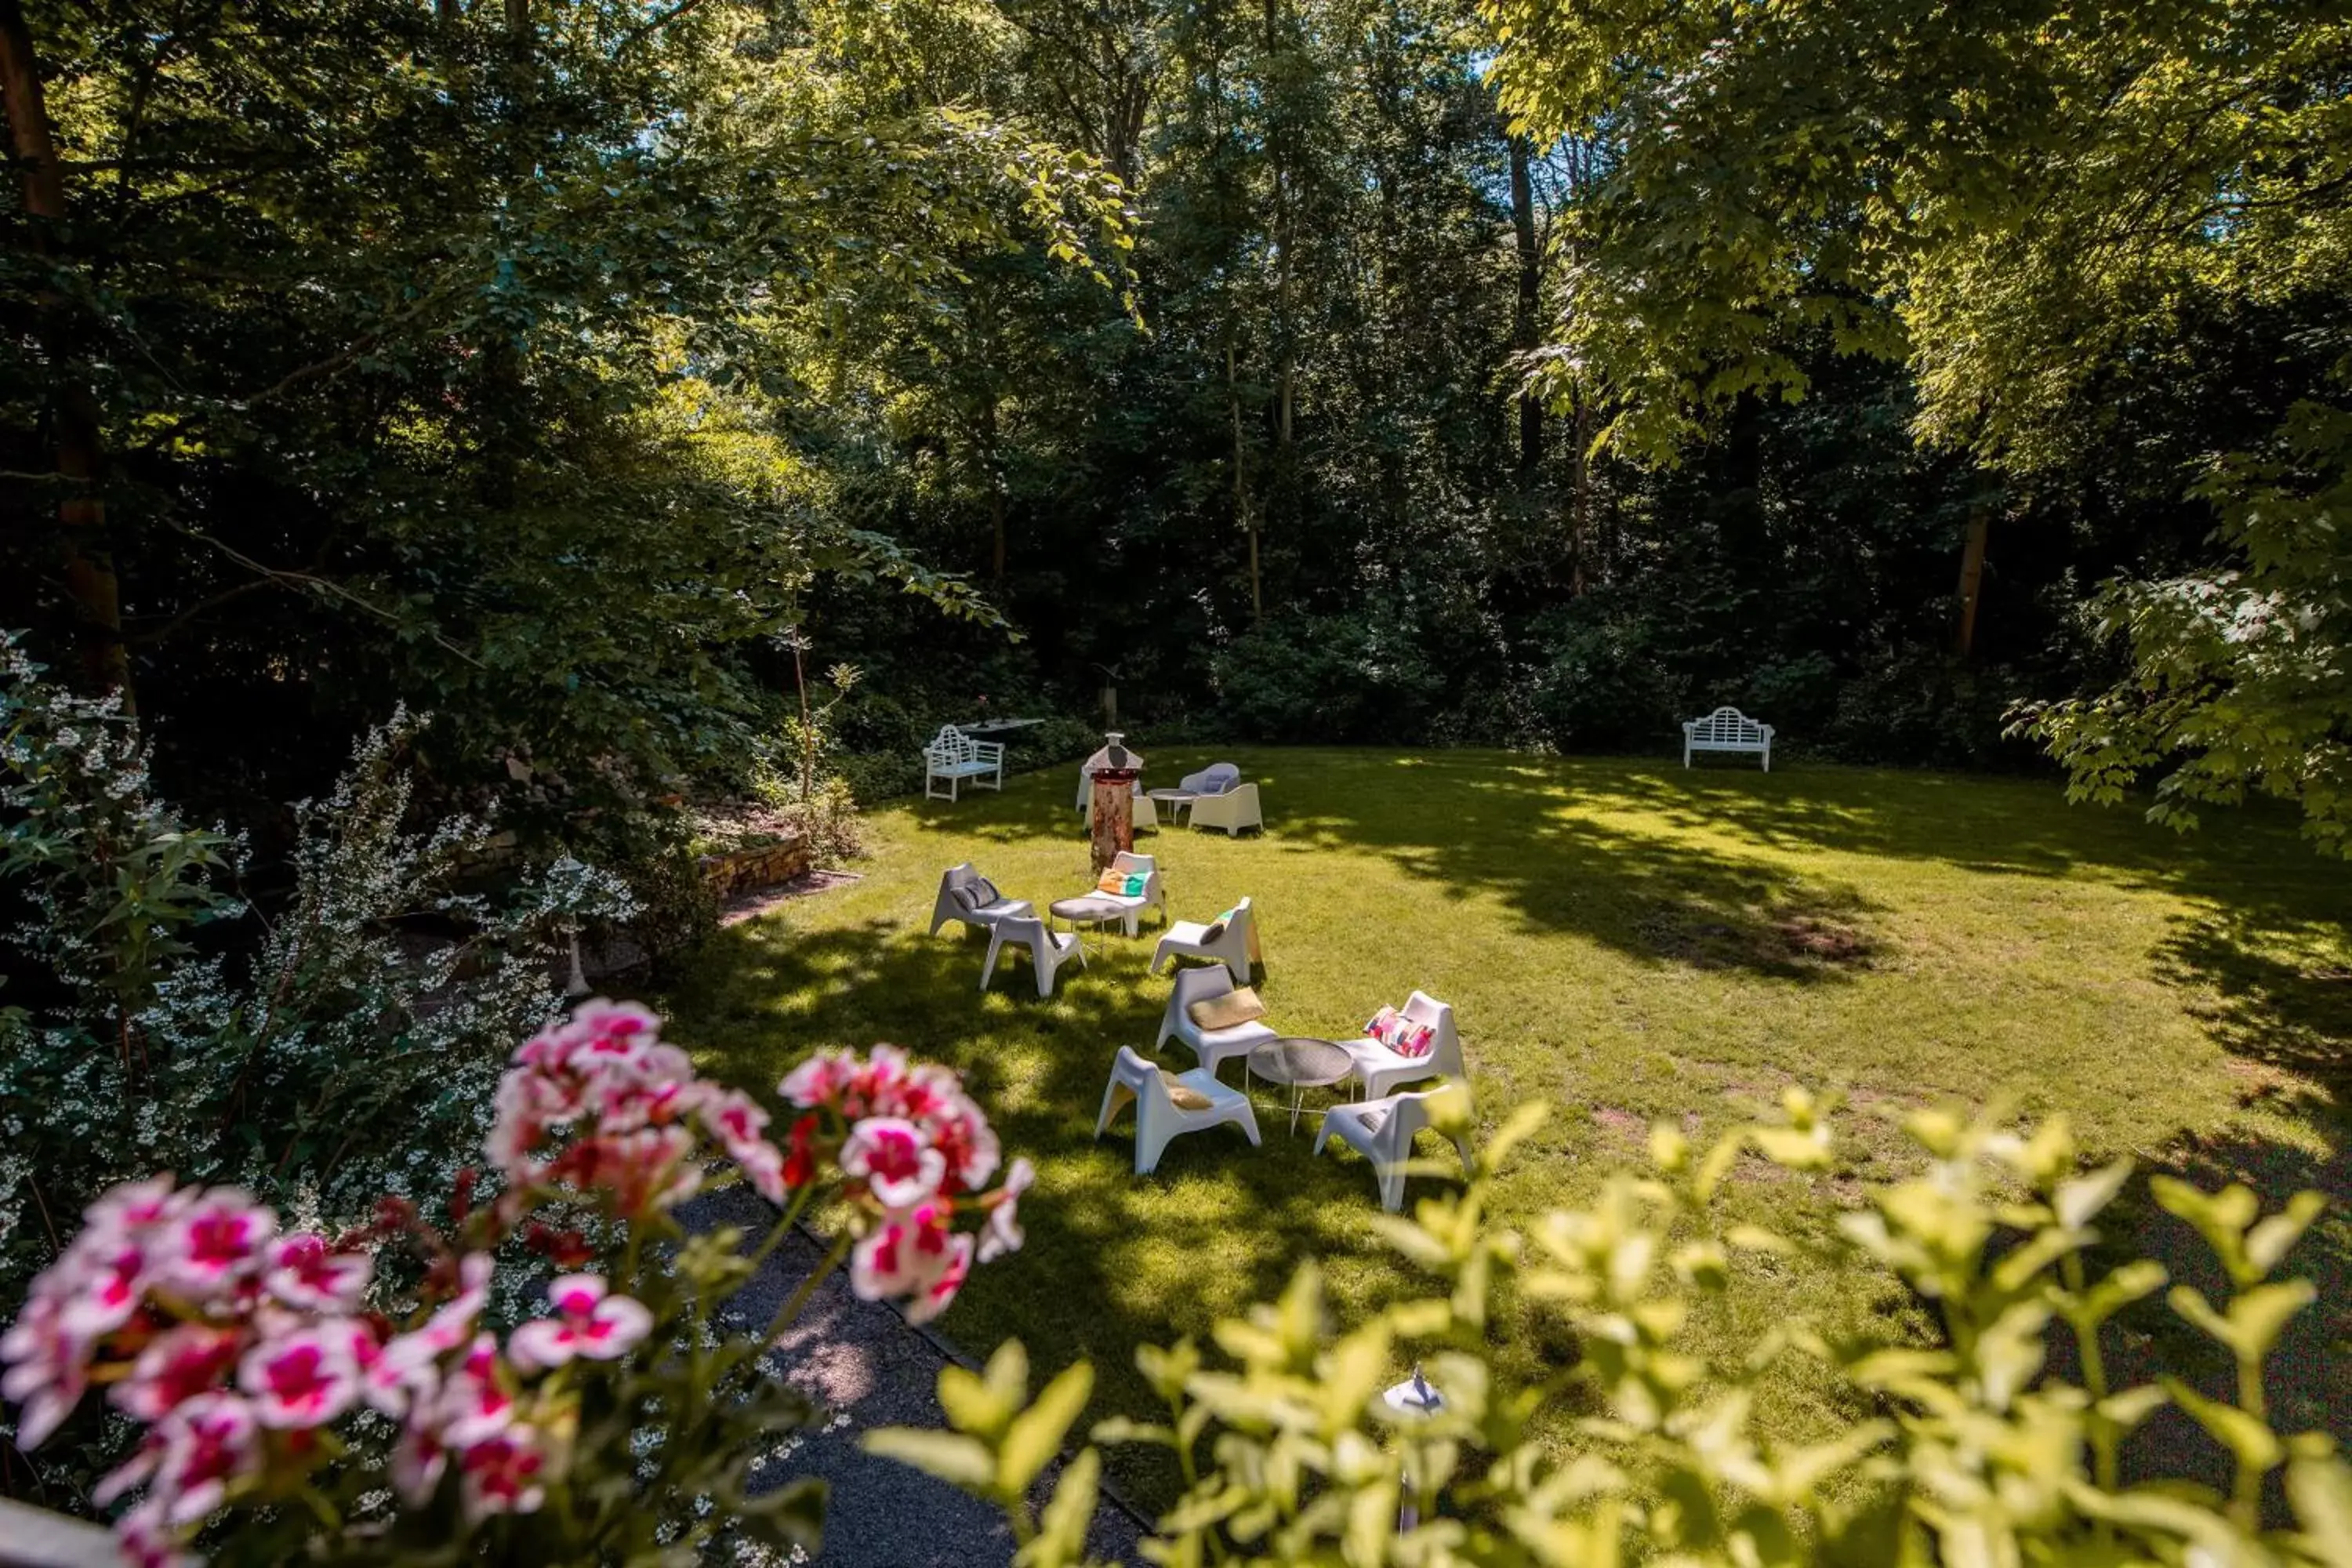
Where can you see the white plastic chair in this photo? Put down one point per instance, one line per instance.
(1158, 1118)
(1379, 1069)
(1213, 1046)
(1048, 951)
(1127, 862)
(958, 900)
(1233, 810)
(1381, 1132)
(1215, 779)
(1235, 947)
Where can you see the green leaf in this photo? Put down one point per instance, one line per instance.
(1035, 1435)
(952, 1457)
(2255, 1445)
(2320, 1488)
(1062, 1527)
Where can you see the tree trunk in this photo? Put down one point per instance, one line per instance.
(1581, 497)
(1529, 303)
(1241, 508)
(1972, 558)
(89, 561)
(994, 479)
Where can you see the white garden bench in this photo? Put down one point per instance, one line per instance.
(953, 756)
(1727, 730)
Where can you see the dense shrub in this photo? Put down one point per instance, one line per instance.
(1350, 679)
(1978, 1447)
(347, 1048)
(1602, 686)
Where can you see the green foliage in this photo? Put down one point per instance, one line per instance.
(1983, 1453)
(2085, 231)
(1357, 678)
(348, 1049)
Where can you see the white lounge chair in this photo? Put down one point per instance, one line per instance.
(1235, 946)
(1233, 810)
(1379, 1069)
(1158, 1118)
(1215, 779)
(1381, 1132)
(1048, 950)
(1213, 1046)
(1128, 861)
(953, 756)
(965, 895)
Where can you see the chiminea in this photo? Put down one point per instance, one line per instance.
(1113, 770)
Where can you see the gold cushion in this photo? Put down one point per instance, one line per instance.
(1238, 1007)
(1184, 1096)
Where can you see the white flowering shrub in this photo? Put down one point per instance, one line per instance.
(323, 1057)
(1978, 1456)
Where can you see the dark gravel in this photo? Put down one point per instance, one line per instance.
(868, 1367)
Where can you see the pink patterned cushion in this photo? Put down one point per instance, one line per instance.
(1414, 1041)
(1384, 1026)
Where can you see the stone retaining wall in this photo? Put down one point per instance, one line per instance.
(763, 866)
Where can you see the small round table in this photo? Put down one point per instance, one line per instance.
(1088, 910)
(1175, 800)
(1301, 1063)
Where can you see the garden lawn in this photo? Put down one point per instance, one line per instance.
(1627, 940)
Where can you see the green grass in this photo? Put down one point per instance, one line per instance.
(1624, 940)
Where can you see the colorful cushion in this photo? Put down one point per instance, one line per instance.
(1184, 1095)
(1234, 1007)
(1414, 1041)
(1123, 884)
(1384, 1026)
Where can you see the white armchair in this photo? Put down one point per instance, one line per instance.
(970, 896)
(1212, 1047)
(1128, 861)
(1379, 1068)
(1048, 951)
(1231, 941)
(965, 895)
(1145, 813)
(1381, 1132)
(1233, 810)
(1158, 1118)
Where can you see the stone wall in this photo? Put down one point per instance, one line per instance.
(763, 866)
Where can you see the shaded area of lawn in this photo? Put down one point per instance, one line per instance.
(1628, 941)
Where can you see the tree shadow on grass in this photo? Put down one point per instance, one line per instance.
(1133, 1259)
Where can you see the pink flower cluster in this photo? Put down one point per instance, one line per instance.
(915, 1151)
(232, 1345)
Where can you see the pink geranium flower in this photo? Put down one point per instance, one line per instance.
(895, 1161)
(1003, 1232)
(407, 1369)
(136, 1207)
(308, 1275)
(303, 1379)
(909, 1255)
(146, 1540)
(207, 1442)
(213, 1245)
(177, 1365)
(107, 1270)
(418, 1459)
(820, 1080)
(476, 1402)
(48, 1367)
(736, 1120)
(588, 1323)
(966, 1142)
(501, 1473)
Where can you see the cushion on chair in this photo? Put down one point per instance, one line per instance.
(1240, 1006)
(1216, 928)
(1414, 1041)
(1385, 1027)
(983, 892)
(1123, 884)
(1183, 1094)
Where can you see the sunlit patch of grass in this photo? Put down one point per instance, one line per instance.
(1622, 937)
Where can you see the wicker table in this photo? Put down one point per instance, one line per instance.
(1302, 1064)
(1088, 910)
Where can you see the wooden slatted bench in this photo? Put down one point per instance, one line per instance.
(953, 756)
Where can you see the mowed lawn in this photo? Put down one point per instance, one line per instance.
(1623, 939)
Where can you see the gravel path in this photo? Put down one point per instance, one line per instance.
(868, 1365)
